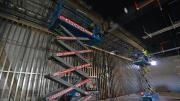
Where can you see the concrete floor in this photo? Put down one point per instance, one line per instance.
(138, 98)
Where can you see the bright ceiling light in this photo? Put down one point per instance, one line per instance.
(153, 63)
(125, 10)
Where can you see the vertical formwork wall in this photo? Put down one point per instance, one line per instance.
(23, 62)
(24, 53)
(117, 76)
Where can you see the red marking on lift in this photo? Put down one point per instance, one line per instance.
(72, 69)
(72, 53)
(59, 94)
(75, 25)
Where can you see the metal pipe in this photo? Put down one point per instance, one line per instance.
(168, 50)
(175, 25)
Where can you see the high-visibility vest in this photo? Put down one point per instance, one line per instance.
(145, 52)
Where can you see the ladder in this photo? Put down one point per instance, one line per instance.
(58, 57)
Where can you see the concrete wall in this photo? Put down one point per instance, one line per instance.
(166, 75)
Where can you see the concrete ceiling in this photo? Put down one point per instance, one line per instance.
(151, 18)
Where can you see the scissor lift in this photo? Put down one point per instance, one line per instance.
(58, 57)
(65, 22)
(142, 61)
(68, 30)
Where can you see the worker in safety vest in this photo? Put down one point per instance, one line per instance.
(145, 53)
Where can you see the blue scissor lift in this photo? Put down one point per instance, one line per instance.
(70, 25)
(142, 61)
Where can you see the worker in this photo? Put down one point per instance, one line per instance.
(145, 55)
(145, 52)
